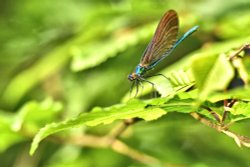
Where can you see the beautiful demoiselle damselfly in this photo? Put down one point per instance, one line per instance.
(162, 44)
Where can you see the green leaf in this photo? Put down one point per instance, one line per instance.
(7, 135)
(32, 116)
(181, 78)
(241, 108)
(180, 105)
(36, 114)
(237, 93)
(147, 110)
(212, 73)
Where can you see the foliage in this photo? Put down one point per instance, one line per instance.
(65, 96)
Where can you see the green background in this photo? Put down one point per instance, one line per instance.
(61, 58)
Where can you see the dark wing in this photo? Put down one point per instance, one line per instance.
(163, 41)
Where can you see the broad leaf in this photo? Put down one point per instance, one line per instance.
(147, 110)
(36, 114)
(241, 108)
(8, 135)
(212, 73)
(242, 93)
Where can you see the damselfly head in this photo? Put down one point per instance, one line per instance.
(132, 76)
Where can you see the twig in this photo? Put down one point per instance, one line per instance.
(235, 54)
(239, 139)
(117, 146)
(124, 149)
(226, 106)
(105, 142)
(213, 113)
(120, 128)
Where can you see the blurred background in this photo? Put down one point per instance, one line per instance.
(61, 58)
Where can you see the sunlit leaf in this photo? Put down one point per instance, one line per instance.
(8, 135)
(149, 110)
(212, 73)
(238, 93)
(241, 108)
(36, 113)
